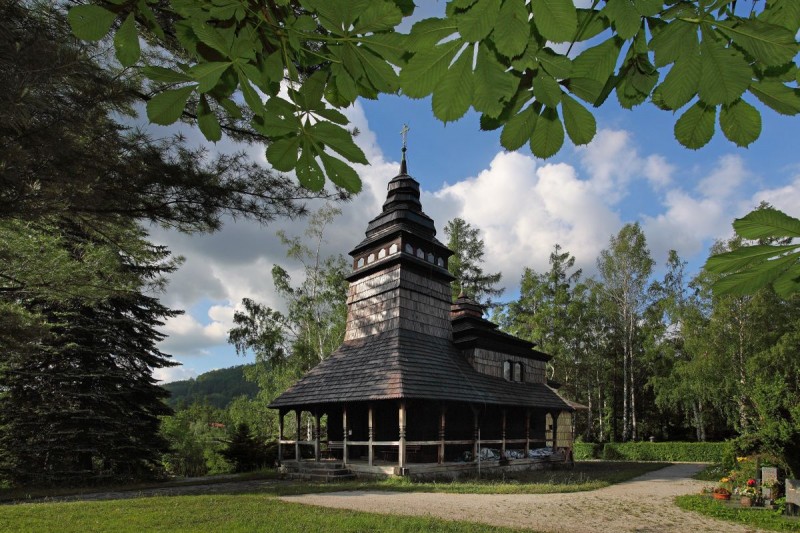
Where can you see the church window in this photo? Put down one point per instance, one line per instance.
(360, 262)
(420, 253)
(440, 262)
(371, 258)
(382, 253)
(518, 372)
(393, 249)
(507, 370)
(409, 248)
(430, 257)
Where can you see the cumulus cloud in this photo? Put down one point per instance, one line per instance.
(691, 220)
(187, 336)
(786, 198)
(523, 209)
(725, 179)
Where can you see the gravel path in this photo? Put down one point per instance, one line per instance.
(643, 504)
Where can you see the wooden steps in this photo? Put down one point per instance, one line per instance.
(324, 471)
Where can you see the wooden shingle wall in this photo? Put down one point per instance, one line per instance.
(397, 298)
(491, 363)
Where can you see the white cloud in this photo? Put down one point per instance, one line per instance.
(691, 220)
(611, 161)
(658, 171)
(523, 210)
(725, 179)
(174, 373)
(187, 336)
(786, 198)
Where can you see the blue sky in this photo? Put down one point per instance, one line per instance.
(634, 171)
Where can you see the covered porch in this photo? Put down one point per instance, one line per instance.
(420, 437)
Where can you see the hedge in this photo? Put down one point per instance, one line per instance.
(699, 452)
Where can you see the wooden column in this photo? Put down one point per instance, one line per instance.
(527, 431)
(316, 435)
(401, 452)
(344, 434)
(442, 411)
(297, 439)
(281, 414)
(370, 425)
(476, 433)
(503, 435)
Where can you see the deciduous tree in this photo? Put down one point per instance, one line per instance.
(710, 61)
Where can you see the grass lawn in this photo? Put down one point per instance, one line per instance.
(585, 476)
(213, 514)
(713, 473)
(759, 518)
(260, 510)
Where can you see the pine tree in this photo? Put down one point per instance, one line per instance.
(466, 263)
(79, 404)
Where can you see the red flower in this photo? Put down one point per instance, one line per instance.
(751, 482)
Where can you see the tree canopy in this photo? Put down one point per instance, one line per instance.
(524, 66)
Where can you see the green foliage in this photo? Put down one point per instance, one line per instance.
(244, 451)
(710, 55)
(752, 517)
(774, 261)
(466, 263)
(196, 436)
(697, 452)
(79, 404)
(314, 323)
(217, 387)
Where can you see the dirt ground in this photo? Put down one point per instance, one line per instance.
(643, 504)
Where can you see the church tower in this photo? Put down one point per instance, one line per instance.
(400, 278)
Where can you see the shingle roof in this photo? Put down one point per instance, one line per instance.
(406, 364)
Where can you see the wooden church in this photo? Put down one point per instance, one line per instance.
(421, 386)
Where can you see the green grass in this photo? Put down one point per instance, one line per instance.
(260, 510)
(585, 476)
(759, 518)
(229, 513)
(713, 473)
(28, 493)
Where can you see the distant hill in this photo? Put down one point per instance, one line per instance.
(218, 387)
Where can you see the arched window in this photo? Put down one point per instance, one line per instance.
(409, 248)
(420, 253)
(382, 253)
(371, 258)
(360, 262)
(518, 372)
(507, 370)
(393, 248)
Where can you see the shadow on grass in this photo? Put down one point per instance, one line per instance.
(584, 476)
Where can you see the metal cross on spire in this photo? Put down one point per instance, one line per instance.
(403, 164)
(404, 133)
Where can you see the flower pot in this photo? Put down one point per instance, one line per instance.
(746, 501)
(718, 496)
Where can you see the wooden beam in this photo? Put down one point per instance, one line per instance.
(503, 435)
(281, 414)
(297, 441)
(344, 434)
(401, 452)
(370, 424)
(442, 411)
(527, 431)
(476, 433)
(316, 435)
